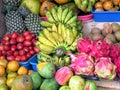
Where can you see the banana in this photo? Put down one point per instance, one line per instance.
(54, 28)
(59, 13)
(60, 28)
(63, 32)
(89, 7)
(72, 20)
(75, 32)
(84, 5)
(78, 3)
(67, 60)
(61, 62)
(46, 24)
(49, 36)
(55, 60)
(64, 14)
(50, 17)
(69, 16)
(54, 13)
(46, 48)
(57, 37)
(69, 37)
(45, 41)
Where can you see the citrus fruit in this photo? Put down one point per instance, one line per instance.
(3, 62)
(2, 70)
(13, 66)
(22, 70)
(9, 81)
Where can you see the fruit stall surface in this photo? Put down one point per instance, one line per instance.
(38, 48)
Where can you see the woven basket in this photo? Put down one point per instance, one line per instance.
(2, 21)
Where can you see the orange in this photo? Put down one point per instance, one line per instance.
(62, 1)
(22, 70)
(13, 66)
(30, 71)
(2, 70)
(9, 81)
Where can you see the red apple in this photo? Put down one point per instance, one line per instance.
(28, 37)
(6, 47)
(16, 53)
(10, 58)
(26, 49)
(23, 58)
(19, 46)
(9, 53)
(20, 39)
(28, 55)
(26, 33)
(18, 58)
(27, 43)
(13, 47)
(13, 41)
(1, 47)
(21, 52)
(14, 35)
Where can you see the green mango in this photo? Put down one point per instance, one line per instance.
(49, 84)
(64, 88)
(32, 5)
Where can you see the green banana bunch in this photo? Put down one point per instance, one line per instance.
(58, 61)
(62, 15)
(85, 5)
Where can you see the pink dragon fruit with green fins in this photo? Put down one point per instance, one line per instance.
(100, 48)
(104, 68)
(117, 63)
(84, 45)
(82, 63)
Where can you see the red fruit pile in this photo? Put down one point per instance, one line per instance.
(18, 47)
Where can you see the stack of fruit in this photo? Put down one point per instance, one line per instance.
(9, 71)
(107, 5)
(18, 47)
(59, 36)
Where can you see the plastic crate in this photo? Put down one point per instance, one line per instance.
(106, 16)
(27, 63)
(34, 62)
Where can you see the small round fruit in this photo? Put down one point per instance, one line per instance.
(3, 62)
(98, 5)
(22, 70)
(2, 70)
(9, 81)
(13, 66)
(108, 5)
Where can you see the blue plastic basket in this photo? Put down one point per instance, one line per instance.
(27, 63)
(34, 62)
(106, 16)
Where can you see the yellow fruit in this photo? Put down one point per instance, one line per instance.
(12, 74)
(22, 70)
(30, 71)
(13, 66)
(9, 81)
(2, 70)
(62, 1)
(3, 62)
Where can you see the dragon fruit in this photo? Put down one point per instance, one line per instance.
(82, 63)
(114, 52)
(104, 68)
(63, 75)
(84, 45)
(117, 63)
(100, 48)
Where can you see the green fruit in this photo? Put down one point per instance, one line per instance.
(64, 88)
(37, 80)
(22, 82)
(32, 5)
(3, 87)
(76, 83)
(90, 85)
(2, 80)
(47, 71)
(12, 74)
(49, 84)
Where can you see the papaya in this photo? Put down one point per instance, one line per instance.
(46, 5)
(49, 84)
(46, 70)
